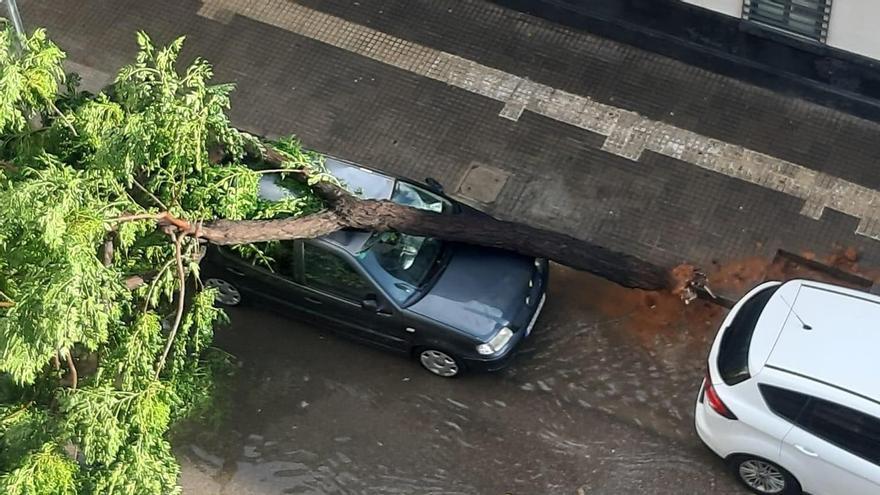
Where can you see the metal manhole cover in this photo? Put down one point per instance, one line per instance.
(482, 183)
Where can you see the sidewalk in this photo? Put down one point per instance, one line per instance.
(532, 121)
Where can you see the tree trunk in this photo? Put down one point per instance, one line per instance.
(478, 229)
(344, 210)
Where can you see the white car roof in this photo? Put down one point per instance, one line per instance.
(841, 348)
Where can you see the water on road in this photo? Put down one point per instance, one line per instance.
(599, 401)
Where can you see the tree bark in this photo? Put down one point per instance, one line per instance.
(226, 232)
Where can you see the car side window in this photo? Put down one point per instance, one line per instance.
(275, 256)
(847, 428)
(328, 272)
(785, 403)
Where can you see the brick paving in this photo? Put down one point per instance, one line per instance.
(362, 80)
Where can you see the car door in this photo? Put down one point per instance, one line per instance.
(834, 450)
(266, 274)
(334, 289)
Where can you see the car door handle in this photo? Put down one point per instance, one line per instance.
(806, 451)
(313, 300)
(233, 270)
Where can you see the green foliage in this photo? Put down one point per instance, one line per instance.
(30, 71)
(69, 182)
(47, 470)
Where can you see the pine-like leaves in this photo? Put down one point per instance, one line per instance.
(85, 399)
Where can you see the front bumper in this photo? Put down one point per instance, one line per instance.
(494, 363)
(501, 361)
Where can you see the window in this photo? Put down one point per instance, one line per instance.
(804, 17)
(401, 263)
(416, 197)
(325, 271)
(275, 256)
(733, 353)
(784, 402)
(847, 428)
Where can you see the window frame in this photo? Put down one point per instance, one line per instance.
(327, 290)
(751, 13)
(764, 388)
(229, 255)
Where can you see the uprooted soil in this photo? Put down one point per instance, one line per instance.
(737, 277)
(652, 317)
(649, 317)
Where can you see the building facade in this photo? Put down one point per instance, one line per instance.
(847, 25)
(826, 51)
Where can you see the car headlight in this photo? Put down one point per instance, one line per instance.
(496, 343)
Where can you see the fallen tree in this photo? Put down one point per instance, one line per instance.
(106, 200)
(346, 211)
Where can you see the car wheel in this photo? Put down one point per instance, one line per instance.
(764, 477)
(227, 294)
(440, 363)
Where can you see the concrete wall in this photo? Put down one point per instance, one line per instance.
(853, 27)
(729, 7)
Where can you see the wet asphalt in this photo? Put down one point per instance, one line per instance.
(592, 405)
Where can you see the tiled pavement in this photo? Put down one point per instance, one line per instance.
(696, 167)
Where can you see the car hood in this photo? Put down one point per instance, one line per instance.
(479, 291)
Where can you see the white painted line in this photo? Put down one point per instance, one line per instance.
(627, 133)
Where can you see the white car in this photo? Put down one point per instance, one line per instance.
(791, 399)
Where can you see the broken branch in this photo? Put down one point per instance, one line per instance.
(150, 195)
(74, 377)
(181, 292)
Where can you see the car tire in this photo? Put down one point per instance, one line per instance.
(762, 476)
(439, 362)
(227, 293)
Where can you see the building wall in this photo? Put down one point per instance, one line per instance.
(853, 27)
(729, 7)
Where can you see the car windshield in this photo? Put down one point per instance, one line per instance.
(410, 195)
(401, 263)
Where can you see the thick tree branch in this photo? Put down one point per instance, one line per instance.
(226, 232)
(351, 212)
(482, 230)
(181, 293)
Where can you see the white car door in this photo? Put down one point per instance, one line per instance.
(834, 450)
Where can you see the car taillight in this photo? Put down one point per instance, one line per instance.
(714, 401)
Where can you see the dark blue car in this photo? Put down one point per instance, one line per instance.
(453, 307)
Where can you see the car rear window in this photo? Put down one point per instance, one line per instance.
(733, 353)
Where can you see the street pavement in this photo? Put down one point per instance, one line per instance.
(596, 403)
(527, 120)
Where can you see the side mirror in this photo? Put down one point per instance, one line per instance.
(370, 303)
(434, 185)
